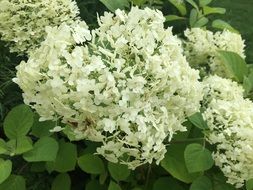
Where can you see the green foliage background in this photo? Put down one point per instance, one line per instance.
(239, 15)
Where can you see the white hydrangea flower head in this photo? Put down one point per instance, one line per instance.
(202, 46)
(227, 41)
(199, 45)
(230, 41)
(130, 88)
(23, 22)
(230, 121)
(216, 87)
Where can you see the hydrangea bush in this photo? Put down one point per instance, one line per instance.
(126, 103)
(23, 22)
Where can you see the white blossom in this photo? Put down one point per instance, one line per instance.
(23, 22)
(129, 88)
(201, 48)
(230, 120)
(216, 87)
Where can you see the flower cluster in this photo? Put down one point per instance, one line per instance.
(129, 88)
(23, 22)
(201, 48)
(216, 87)
(230, 120)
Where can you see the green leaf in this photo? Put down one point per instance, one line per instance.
(2, 146)
(213, 10)
(164, 183)
(91, 164)
(113, 5)
(66, 158)
(174, 17)
(249, 184)
(103, 177)
(174, 164)
(223, 186)
(138, 2)
(203, 3)
(24, 144)
(94, 185)
(220, 24)
(14, 182)
(19, 145)
(192, 2)
(11, 147)
(219, 182)
(202, 183)
(201, 22)
(61, 182)
(118, 172)
(247, 86)
(198, 121)
(235, 65)
(45, 149)
(41, 129)
(5, 169)
(193, 17)
(180, 5)
(248, 83)
(18, 121)
(114, 186)
(197, 158)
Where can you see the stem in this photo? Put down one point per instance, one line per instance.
(148, 176)
(204, 142)
(151, 2)
(22, 168)
(187, 140)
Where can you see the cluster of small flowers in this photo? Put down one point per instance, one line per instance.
(216, 87)
(23, 22)
(201, 48)
(130, 87)
(230, 120)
